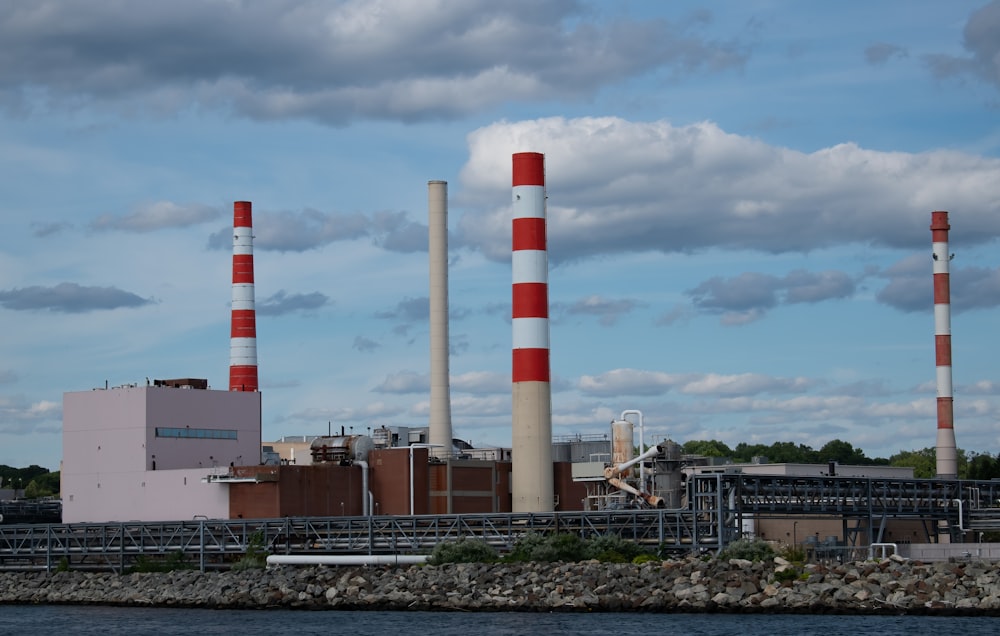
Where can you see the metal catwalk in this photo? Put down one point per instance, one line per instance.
(716, 505)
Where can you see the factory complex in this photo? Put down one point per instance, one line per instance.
(176, 449)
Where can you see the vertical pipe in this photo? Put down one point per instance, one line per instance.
(440, 412)
(243, 335)
(642, 446)
(531, 481)
(947, 455)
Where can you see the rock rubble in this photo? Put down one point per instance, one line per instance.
(892, 585)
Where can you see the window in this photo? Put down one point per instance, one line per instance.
(197, 433)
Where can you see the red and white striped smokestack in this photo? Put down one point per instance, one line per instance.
(947, 455)
(243, 335)
(531, 481)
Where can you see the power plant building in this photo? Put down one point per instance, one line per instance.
(136, 452)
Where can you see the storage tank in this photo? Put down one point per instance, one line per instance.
(622, 450)
(341, 448)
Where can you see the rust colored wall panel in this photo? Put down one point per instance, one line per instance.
(467, 477)
(253, 501)
(390, 482)
(324, 490)
(571, 493)
(504, 487)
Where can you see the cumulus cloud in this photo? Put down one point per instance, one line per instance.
(881, 52)
(408, 310)
(982, 387)
(371, 412)
(284, 303)
(395, 232)
(297, 231)
(156, 216)
(911, 288)
(607, 310)
(312, 229)
(750, 295)
(630, 382)
(744, 384)
(982, 41)
(365, 345)
(481, 383)
(404, 382)
(41, 230)
(69, 298)
(473, 383)
(639, 382)
(615, 185)
(19, 416)
(334, 62)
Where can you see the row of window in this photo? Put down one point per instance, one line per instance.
(199, 433)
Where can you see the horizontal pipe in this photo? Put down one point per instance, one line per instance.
(346, 559)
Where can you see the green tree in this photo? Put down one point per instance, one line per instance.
(744, 453)
(983, 466)
(707, 448)
(789, 453)
(924, 462)
(46, 485)
(842, 452)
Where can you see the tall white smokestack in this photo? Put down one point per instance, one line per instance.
(440, 422)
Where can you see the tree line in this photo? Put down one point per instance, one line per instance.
(972, 465)
(32, 482)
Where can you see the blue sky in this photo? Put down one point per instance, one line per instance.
(739, 209)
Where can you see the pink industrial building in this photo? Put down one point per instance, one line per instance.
(141, 452)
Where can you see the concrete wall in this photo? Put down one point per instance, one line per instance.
(197, 409)
(806, 531)
(110, 450)
(162, 495)
(949, 551)
(295, 453)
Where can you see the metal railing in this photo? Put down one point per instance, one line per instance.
(711, 519)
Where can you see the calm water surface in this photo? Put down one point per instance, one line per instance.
(112, 621)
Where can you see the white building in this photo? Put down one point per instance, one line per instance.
(140, 452)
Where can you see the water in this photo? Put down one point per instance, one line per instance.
(62, 620)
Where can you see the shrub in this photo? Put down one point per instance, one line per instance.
(793, 554)
(173, 561)
(463, 551)
(612, 548)
(645, 557)
(788, 574)
(255, 557)
(749, 550)
(548, 548)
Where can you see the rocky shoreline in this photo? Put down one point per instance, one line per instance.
(691, 585)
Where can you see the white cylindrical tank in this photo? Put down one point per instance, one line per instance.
(622, 450)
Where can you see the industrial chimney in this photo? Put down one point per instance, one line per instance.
(947, 455)
(243, 334)
(440, 422)
(531, 482)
